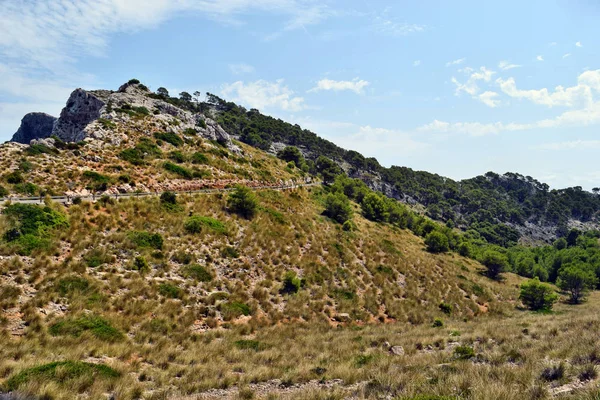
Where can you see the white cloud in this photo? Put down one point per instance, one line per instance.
(385, 24)
(578, 44)
(356, 85)
(238, 69)
(572, 145)
(470, 86)
(567, 55)
(455, 62)
(489, 99)
(416, 63)
(505, 65)
(579, 95)
(540, 58)
(264, 95)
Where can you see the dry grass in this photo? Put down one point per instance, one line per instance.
(180, 335)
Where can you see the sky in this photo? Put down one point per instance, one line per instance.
(457, 88)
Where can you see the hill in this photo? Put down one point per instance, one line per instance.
(250, 291)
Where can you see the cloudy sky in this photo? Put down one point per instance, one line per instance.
(453, 87)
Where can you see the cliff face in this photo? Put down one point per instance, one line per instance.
(35, 125)
(87, 112)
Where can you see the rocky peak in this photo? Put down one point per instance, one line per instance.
(35, 125)
(81, 109)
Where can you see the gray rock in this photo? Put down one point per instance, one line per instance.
(397, 350)
(35, 125)
(82, 108)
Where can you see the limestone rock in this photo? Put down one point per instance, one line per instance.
(81, 109)
(35, 125)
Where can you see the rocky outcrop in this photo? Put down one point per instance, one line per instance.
(35, 125)
(81, 109)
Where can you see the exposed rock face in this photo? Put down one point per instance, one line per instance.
(81, 109)
(35, 125)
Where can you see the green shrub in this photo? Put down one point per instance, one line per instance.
(133, 81)
(199, 158)
(437, 323)
(36, 149)
(27, 188)
(537, 296)
(577, 279)
(107, 123)
(98, 327)
(14, 177)
(179, 170)
(337, 207)
(197, 272)
(170, 291)
(62, 372)
(72, 284)
(243, 202)
(140, 264)
(464, 353)
(437, 242)
(169, 137)
(495, 262)
(146, 239)
(195, 223)
(3, 191)
(96, 258)
(32, 220)
(229, 252)
(446, 308)
(177, 156)
(190, 132)
(248, 345)
(234, 309)
(201, 123)
(291, 283)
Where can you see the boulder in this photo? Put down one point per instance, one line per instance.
(35, 125)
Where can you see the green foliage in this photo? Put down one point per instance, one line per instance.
(98, 327)
(37, 149)
(197, 272)
(179, 170)
(234, 309)
(72, 284)
(62, 372)
(337, 207)
(437, 323)
(14, 177)
(141, 152)
(145, 239)
(577, 279)
(169, 290)
(363, 359)
(291, 283)
(464, 353)
(31, 225)
(446, 308)
(437, 242)
(243, 202)
(169, 137)
(140, 264)
(168, 201)
(495, 262)
(133, 81)
(27, 188)
(292, 154)
(96, 258)
(199, 158)
(537, 296)
(98, 181)
(3, 191)
(327, 168)
(374, 207)
(177, 156)
(249, 345)
(229, 252)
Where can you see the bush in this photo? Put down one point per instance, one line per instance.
(177, 156)
(3, 191)
(291, 283)
(495, 262)
(553, 373)
(14, 177)
(30, 225)
(169, 137)
(292, 154)
(446, 308)
(168, 198)
(97, 326)
(243, 202)
(195, 223)
(72, 284)
(197, 272)
(234, 309)
(537, 296)
(146, 239)
(374, 208)
(140, 264)
(437, 242)
(464, 353)
(64, 372)
(179, 170)
(577, 279)
(199, 158)
(170, 291)
(437, 323)
(96, 258)
(133, 81)
(229, 252)
(337, 207)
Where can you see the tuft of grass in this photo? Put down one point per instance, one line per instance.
(464, 353)
(249, 345)
(179, 170)
(234, 309)
(61, 372)
(197, 272)
(97, 326)
(169, 137)
(169, 290)
(72, 284)
(195, 223)
(145, 239)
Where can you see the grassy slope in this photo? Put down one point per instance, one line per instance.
(377, 273)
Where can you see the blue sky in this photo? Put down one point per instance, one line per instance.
(457, 88)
